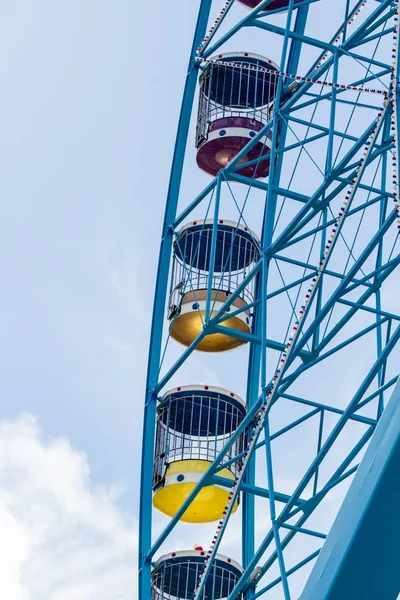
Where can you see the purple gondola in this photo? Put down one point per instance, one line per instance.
(274, 5)
(226, 138)
(237, 92)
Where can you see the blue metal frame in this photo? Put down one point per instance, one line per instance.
(362, 528)
(350, 291)
(145, 516)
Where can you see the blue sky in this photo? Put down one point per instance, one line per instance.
(88, 110)
(82, 122)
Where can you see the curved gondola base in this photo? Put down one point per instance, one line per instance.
(226, 138)
(274, 5)
(189, 323)
(180, 479)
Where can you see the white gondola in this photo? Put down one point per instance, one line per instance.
(176, 575)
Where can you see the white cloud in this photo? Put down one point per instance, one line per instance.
(61, 539)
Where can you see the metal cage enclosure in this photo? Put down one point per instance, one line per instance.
(175, 575)
(236, 98)
(236, 252)
(193, 425)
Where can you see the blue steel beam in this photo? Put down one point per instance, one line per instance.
(287, 513)
(368, 188)
(290, 59)
(314, 268)
(319, 97)
(380, 390)
(360, 557)
(294, 35)
(346, 318)
(309, 506)
(185, 213)
(145, 517)
(253, 339)
(331, 222)
(316, 204)
(325, 407)
(351, 408)
(310, 209)
(330, 336)
(377, 23)
(380, 313)
(342, 287)
(317, 534)
(243, 23)
(356, 36)
(289, 379)
(322, 128)
(257, 357)
(252, 489)
(381, 271)
(316, 98)
(340, 475)
(278, 580)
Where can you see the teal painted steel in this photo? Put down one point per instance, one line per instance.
(360, 558)
(349, 306)
(145, 515)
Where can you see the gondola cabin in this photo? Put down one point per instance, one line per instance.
(175, 576)
(236, 253)
(193, 424)
(237, 92)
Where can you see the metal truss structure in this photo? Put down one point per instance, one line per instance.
(321, 357)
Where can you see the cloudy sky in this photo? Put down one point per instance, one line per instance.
(88, 113)
(81, 121)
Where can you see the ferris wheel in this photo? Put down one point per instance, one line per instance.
(286, 254)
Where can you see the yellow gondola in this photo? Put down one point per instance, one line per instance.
(193, 424)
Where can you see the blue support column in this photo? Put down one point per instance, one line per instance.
(258, 359)
(361, 553)
(145, 518)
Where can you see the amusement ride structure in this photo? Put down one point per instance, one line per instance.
(287, 256)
